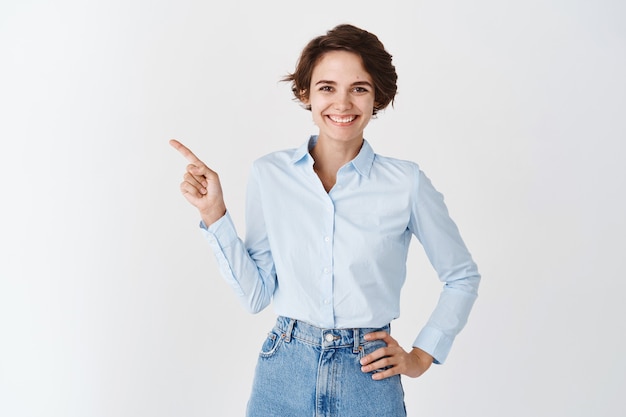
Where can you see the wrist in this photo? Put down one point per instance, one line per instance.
(422, 355)
(212, 215)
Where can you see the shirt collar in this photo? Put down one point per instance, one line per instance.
(303, 151)
(362, 162)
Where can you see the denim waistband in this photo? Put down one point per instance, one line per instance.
(326, 338)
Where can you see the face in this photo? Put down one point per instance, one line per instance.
(341, 97)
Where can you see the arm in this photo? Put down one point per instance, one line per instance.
(432, 225)
(252, 277)
(454, 265)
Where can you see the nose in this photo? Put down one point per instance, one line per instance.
(342, 101)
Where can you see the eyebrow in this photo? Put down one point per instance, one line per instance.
(353, 84)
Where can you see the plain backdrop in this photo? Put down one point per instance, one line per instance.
(110, 301)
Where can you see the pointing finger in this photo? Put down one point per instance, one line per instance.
(185, 151)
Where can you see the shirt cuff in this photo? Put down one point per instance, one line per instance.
(434, 342)
(221, 233)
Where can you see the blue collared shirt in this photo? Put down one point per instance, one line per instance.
(338, 259)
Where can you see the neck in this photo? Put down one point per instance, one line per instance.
(330, 156)
(331, 153)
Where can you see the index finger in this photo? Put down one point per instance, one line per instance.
(379, 335)
(185, 151)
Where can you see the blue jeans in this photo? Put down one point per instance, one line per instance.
(307, 371)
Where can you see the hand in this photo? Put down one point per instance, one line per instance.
(413, 363)
(201, 186)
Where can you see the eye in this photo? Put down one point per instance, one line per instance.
(326, 88)
(360, 90)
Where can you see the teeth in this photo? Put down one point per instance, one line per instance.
(346, 119)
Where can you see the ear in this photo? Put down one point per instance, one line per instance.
(304, 97)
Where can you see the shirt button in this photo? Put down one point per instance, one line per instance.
(326, 270)
(329, 337)
(326, 301)
(326, 239)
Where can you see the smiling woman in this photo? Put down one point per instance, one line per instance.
(327, 236)
(375, 60)
(341, 99)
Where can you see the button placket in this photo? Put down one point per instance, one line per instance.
(326, 271)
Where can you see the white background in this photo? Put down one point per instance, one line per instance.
(110, 301)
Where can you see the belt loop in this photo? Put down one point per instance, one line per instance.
(357, 340)
(292, 322)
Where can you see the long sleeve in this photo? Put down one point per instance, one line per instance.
(454, 265)
(247, 267)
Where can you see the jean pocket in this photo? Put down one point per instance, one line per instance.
(271, 344)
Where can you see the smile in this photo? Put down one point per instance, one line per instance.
(345, 119)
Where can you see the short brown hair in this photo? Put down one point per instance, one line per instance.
(376, 61)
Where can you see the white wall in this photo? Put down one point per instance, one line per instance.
(110, 302)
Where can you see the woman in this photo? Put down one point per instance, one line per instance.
(328, 231)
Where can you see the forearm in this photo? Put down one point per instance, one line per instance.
(253, 285)
(447, 319)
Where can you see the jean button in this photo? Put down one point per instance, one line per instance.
(329, 337)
